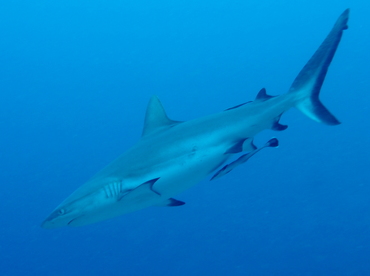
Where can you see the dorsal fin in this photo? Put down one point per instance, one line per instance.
(262, 95)
(155, 117)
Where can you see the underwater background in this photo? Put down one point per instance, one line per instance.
(75, 79)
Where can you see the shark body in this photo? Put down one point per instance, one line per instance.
(172, 156)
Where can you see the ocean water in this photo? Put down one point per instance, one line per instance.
(75, 79)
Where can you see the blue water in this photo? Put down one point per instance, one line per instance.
(75, 78)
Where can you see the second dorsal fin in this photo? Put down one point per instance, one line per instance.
(262, 95)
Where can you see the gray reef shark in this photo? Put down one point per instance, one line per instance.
(172, 156)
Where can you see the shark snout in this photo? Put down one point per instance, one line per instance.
(55, 220)
(47, 224)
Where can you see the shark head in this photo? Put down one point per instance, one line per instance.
(60, 217)
(66, 214)
(108, 201)
(84, 210)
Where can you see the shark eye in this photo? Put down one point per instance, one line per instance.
(61, 212)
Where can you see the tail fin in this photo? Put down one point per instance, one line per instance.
(308, 83)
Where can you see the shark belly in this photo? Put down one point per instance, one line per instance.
(175, 176)
(189, 170)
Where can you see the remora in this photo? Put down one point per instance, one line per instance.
(172, 156)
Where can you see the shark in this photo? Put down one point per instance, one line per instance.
(172, 156)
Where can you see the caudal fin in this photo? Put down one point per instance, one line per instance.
(308, 83)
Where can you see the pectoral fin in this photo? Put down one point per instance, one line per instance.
(244, 158)
(143, 190)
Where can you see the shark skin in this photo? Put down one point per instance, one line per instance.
(172, 156)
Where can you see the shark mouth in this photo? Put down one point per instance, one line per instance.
(72, 220)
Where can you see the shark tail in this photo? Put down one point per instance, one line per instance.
(307, 84)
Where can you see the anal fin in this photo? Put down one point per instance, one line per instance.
(277, 126)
